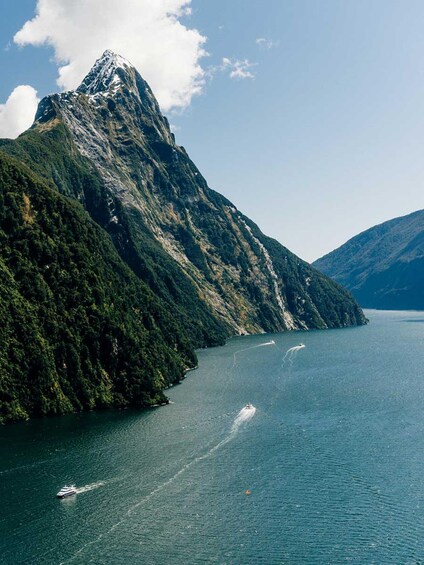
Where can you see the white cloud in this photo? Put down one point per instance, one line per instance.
(17, 114)
(267, 43)
(148, 33)
(237, 68)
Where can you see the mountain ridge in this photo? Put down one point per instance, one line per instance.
(383, 266)
(131, 130)
(107, 146)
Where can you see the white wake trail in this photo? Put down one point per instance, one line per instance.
(242, 417)
(272, 342)
(92, 486)
(291, 354)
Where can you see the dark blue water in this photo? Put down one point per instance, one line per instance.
(333, 458)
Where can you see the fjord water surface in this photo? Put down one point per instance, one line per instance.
(329, 468)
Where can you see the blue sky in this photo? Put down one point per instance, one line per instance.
(323, 142)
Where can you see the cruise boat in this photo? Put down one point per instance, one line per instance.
(67, 491)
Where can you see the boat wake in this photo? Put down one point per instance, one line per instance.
(244, 416)
(92, 486)
(291, 354)
(285, 371)
(272, 342)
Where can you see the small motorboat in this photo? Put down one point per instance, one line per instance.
(67, 490)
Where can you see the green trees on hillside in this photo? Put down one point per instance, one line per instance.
(78, 329)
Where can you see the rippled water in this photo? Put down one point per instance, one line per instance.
(326, 467)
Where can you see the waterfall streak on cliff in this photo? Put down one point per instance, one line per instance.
(287, 317)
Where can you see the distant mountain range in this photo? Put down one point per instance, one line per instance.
(134, 260)
(384, 265)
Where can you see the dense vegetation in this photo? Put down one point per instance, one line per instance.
(384, 265)
(117, 259)
(52, 154)
(78, 329)
(109, 146)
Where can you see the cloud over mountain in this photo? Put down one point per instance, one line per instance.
(18, 112)
(150, 34)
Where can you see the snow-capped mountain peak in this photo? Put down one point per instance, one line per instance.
(108, 71)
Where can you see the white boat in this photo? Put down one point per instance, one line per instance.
(67, 491)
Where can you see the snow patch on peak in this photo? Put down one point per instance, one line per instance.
(109, 57)
(105, 73)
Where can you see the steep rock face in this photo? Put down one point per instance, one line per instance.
(168, 225)
(384, 265)
(78, 329)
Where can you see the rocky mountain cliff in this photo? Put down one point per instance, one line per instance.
(117, 259)
(384, 265)
(108, 145)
